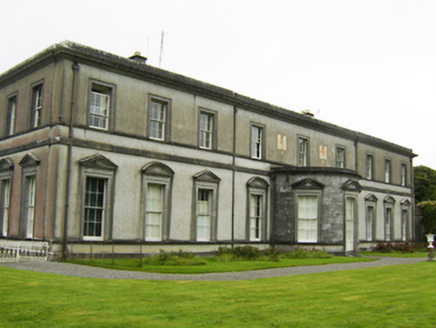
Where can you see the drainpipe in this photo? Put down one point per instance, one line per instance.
(235, 111)
(75, 68)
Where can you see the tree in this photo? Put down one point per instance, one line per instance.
(425, 184)
(428, 209)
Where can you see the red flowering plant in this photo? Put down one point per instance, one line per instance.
(398, 247)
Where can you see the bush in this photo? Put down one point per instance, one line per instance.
(304, 253)
(247, 253)
(244, 253)
(401, 248)
(174, 258)
(428, 209)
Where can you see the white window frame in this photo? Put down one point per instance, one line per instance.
(404, 223)
(369, 166)
(370, 222)
(256, 137)
(205, 181)
(403, 174)
(158, 174)
(388, 171)
(98, 167)
(29, 195)
(313, 221)
(303, 151)
(207, 134)
(12, 114)
(159, 126)
(95, 207)
(405, 219)
(256, 216)
(37, 104)
(389, 217)
(99, 110)
(5, 202)
(340, 157)
(152, 212)
(101, 105)
(204, 218)
(6, 175)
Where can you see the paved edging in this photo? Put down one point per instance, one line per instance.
(69, 269)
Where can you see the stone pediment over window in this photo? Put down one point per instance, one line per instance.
(157, 169)
(6, 164)
(98, 162)
(308, 184)
(405, 202)
(30, 160)
(352, 185)
(206, 176)
(371, 198)
(390, 200)
(257, 183)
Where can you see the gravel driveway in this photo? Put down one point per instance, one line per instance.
(68, 269)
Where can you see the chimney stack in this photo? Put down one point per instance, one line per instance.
(138, 58)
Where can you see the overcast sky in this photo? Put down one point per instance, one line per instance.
(367, 65)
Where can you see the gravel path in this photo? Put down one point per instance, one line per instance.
(68, 269)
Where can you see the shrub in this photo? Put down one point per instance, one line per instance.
(304, 253)
(389, 247)
(174, 258)
(428, 209)
(246, 253)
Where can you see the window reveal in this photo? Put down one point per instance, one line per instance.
(157, 119)
(256, 142)
(94, 207)
(255, 217)
(154, 212)
(307, 219)
(204, 206)
(206, 130)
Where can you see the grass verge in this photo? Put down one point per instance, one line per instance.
(391, 296)
(214, 264)
(395, 254)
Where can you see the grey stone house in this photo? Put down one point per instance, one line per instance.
(109, 152)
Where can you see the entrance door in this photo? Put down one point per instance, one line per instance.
(349, 224)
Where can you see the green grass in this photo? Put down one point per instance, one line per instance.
(214, 265)
(391, 296)
(395, 254)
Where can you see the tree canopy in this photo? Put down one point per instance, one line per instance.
(425, 184)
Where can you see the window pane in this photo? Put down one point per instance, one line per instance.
(255, 216)
(205, 130)
(204, 214)
(94, 207)
(256, 142)
(308, 218)
(302, 152)
(388, 223)
(369, 222)
(369, 167)
(99, 110)
(154, 212)
(29, 205)
(157, 119)
(5, 189)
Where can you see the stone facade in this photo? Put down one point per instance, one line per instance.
(110, 154)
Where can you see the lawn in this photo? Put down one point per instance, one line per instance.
(395, 254)
(391, 296)
(213, 265)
